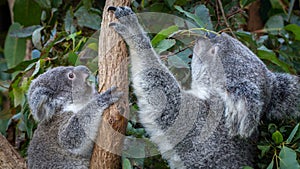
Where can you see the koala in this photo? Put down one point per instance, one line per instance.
(215, 123)
(68, 109)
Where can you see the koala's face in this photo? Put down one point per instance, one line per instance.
(70, 83)
(57, 88)
(221, 60)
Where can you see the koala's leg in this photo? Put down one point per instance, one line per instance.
(285, 98)
(78, 134)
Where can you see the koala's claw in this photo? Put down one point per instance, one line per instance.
(121, 11)
(109, 97)
(111, 8)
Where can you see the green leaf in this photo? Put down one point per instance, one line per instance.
(264, 53)
(163, 34)
(177, 62)
(170, 3)
(270, 166)
(192, 16)
(126, 163)
(264, 149)
(27, 12)
(37, 38)
(21, 66)
(276, 4)
(72, 58)
(275, 24)
(288, 159)
(87, 19)
(164, 45)
(4, 125)
(14, 48)
(293, 133)
(56, 3)
(277, 137)
(87, 4)
(24, 32)
(295, 29)
(93, 46)
(247, 167)
(244, 3)
(46, 4)
(203, 14)
(68, 22)
(18, 96)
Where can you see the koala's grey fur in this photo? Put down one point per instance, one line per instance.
(69, 112)
(214, 125)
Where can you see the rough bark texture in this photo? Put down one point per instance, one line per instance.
(113, 71)
(9, 157)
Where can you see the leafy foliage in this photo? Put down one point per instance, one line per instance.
(56, 32)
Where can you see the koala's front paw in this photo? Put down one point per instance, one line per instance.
(128, 25)
(109, 97)
(121, 11)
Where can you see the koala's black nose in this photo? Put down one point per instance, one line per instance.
(210, 35)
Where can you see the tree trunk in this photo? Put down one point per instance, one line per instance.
(113, 71)
(9, 157)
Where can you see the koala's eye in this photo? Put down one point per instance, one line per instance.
(71, 76)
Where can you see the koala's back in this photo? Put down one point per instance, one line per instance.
(45, 152)
(219, 151)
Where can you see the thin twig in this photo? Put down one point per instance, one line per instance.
(224, 17)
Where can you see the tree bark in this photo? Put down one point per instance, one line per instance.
(113, 71)
(9, 157)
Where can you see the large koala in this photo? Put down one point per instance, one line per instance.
(213, 125)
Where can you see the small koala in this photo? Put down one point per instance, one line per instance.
(68, 109)
(215, 123)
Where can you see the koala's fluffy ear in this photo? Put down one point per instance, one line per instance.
(39, 103)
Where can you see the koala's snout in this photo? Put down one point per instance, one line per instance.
(84, 71)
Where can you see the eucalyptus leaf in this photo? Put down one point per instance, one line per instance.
(163, 34)
(295, 29)
(264, 149)
(244, 3)
(87, 3)
(264, 53)
(164, 45)
(27, 12)
(288, 159)
(270, 166)
(56, 3)
(177, 62)
(170, 2)
(275, 24)
(68, 22)
(277, 137)
(293, 133)
(24, 32)
(21, 66)
(46, 4)
(126, 163)
(72, 58)
(37, 38)
(4, 125)
(14, 48)
(191, 16)
(203, 14)
(87, 19)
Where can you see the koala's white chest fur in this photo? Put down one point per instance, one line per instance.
(74, 107)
